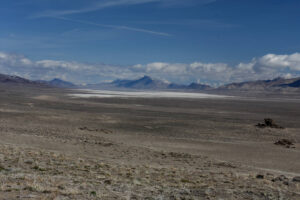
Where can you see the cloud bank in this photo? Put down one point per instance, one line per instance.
(266, 67)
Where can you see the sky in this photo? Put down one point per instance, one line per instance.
(182, 41)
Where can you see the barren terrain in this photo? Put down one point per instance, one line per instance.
(54, 146)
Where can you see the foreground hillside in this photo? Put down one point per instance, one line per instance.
(56, 147)
(30, 173)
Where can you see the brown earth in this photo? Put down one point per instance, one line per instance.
(57, 147)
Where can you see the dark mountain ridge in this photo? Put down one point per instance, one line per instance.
(277, 83)
(16, 80)
(61, 83)
(147, 83)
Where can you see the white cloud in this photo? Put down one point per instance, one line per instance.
(73, 66)
(280, 61)
(209, 67)
(265, 67)
(158, 67)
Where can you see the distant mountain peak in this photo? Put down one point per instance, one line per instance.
(145, 77)
(61, 83)
(56, 79)
(199, 86)
(145, 82)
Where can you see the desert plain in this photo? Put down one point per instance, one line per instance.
(57, 146)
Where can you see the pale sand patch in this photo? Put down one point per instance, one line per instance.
(138, 94)
(46, 98)
(4, 110)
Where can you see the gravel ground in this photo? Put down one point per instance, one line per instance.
(56, 147)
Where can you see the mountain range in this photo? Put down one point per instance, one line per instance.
(15, 80)
(19, 81)
(58, 83)
(147, 83)
(275, 84)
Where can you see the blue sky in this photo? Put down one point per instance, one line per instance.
(174, 40)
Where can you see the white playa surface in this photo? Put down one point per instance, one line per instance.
(137, 94)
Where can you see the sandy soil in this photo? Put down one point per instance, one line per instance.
(53, 146)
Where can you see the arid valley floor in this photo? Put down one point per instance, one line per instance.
(53, 146)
